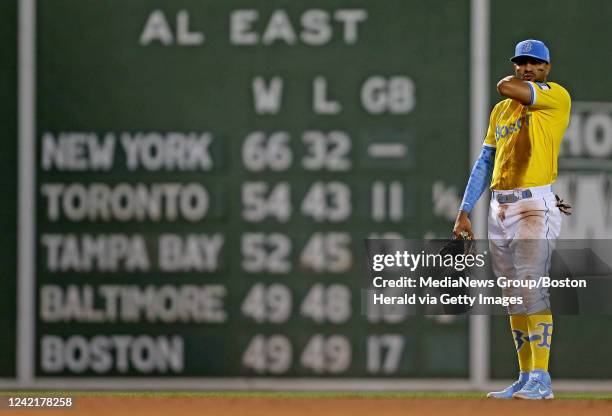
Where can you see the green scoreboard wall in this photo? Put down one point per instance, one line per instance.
(207, 172)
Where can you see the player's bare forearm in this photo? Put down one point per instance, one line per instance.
(463, 226)
(516, 89)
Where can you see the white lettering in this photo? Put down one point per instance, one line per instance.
(317, 30)
(156, 29)
(267, 98)
(351, 18)
(321, 104)
(279, 28)
(240, 24)
(126, 202)
(183, 35)
(133, 304)
(193, 252)
(102, 354)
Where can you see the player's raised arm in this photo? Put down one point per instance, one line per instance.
(531, 64)
(516, 89)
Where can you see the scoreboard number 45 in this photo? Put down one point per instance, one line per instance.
(323, 252)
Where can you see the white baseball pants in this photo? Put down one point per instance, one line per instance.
(522, 238)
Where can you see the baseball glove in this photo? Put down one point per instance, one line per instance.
(563, 206)
(455, 246)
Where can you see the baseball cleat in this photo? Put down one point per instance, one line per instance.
(511, 389)
(538, 387)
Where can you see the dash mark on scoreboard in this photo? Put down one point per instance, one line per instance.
(387, 150)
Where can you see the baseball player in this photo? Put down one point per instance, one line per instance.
(519, 162)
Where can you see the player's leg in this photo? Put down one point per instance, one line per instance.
(502, 266)
(523, 351)
(533, 245)
(539, 385)
(501, 257)
(520, 330)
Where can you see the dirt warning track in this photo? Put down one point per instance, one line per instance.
(354, 406)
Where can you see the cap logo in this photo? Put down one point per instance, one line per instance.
(527, 46)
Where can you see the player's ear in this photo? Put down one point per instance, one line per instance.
(548, 67)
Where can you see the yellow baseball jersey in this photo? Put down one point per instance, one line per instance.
(527, 137)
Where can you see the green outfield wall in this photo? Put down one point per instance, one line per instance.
(205, 173)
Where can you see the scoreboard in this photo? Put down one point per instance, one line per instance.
(207, 172)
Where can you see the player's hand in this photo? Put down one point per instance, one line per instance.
(463, 226)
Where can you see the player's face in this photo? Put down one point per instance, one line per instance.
(531, 69)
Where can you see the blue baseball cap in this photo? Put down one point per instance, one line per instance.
(532, 48)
